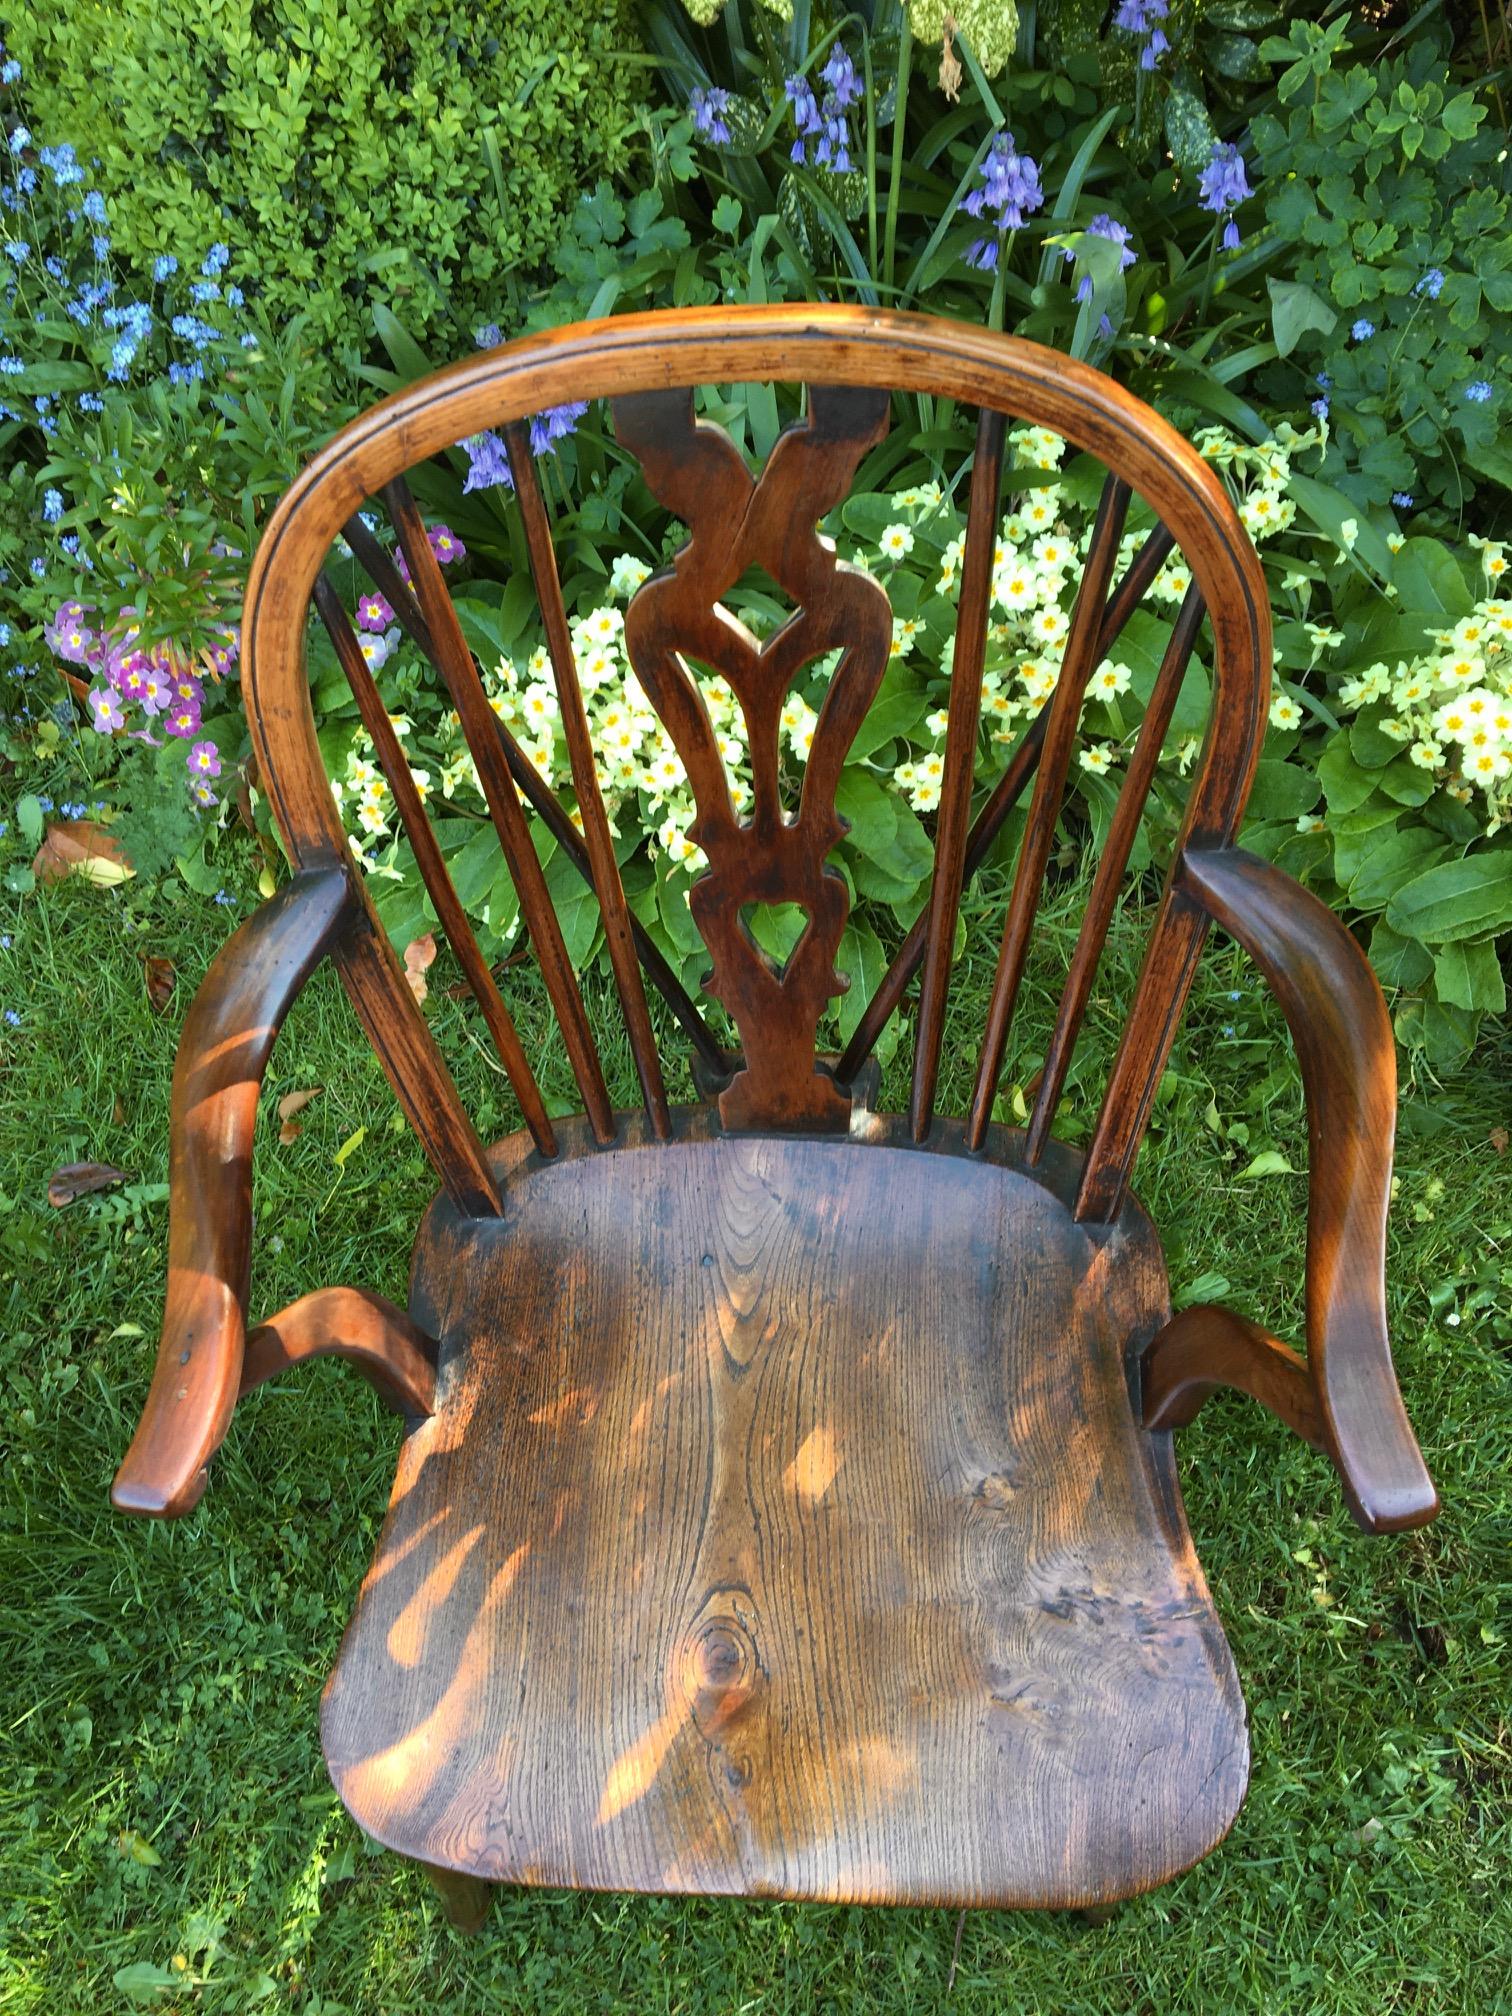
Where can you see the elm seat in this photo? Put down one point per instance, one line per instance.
(787, 1503)
(784, 1527)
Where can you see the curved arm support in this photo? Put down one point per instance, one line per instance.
(223, 1052)
(1339, 1024)
(1206, 1347)
(393, 1354)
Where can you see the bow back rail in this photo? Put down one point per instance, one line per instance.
(775, 852)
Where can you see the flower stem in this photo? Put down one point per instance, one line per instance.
(895, 174)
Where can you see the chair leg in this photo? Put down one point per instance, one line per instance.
(464, 1899)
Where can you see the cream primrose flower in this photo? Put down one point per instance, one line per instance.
(1015, 588)
(627, 574)
(896, 543)
(904, 630)
(1284, 712)
(1427, 755)
(1461, 669)
(1310, 822)
(1109, 680)
(1098, 760)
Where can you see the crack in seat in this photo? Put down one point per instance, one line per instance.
(784, 1526)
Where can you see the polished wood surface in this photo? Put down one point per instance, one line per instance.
(1338, 1020)
(776, 855)
(1206, 1348)
(223, 1051)
(783, 1527)
(393, 1354)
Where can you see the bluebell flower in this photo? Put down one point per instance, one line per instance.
(10, 71)
(38, 568)
(248, 340)
(185, 374)
(26, 179)
(1363, 330)
(840, 75)
(489, 337)
(52, 505)
(12, 367)
(94, 207)
(100, 246)
(1402, 499)
(225, 898)
(13, 1018)
(1431, 284)
(190, 329)
(216, 260)
(203, 291)
(1143, 17)
(708, 109)
(70, 543)
(53, 267)
(1320, 408)
(17, 251)
(164, 267)
(800, 96)
(1008, 190)
(487, 463)
(20, 139)
(1478, 391)
(1223, 186)
(5, 635)
(234, 297)
(90, 402)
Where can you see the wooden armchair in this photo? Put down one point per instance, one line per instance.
(787, 1502)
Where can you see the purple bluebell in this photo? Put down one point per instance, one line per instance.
(708, 108)
(1223, 186)
(1143, 17)
(1402, 499)
(52, 505)
(1478, 391)
(1007, 192)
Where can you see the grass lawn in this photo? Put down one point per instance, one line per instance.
(163, 1803)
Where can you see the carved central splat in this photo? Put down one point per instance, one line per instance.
(735, 522)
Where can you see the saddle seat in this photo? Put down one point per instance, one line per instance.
(784, 1527)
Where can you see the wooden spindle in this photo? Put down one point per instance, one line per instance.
(1110, 870)
(541, 798)
(960, 762)
(605, 876)
(988, 823)
(455, 661)
(433, 872)
(1081, 655)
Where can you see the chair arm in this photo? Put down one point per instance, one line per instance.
(217, 1079)
(1339, 1023)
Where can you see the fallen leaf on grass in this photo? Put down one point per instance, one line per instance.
(78, 1179)
(418, 955)
(78, 847)
(1269, 1162)
(290, 1104)
(162, 977)
(1499, 1137)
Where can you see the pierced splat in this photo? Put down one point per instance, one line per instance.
(736, 522)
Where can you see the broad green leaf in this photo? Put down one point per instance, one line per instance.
(1469, 975)
(1294, 310)
(1269, 1162)
(1430, 582)
(1345, 784)
(475, 865)
(1282, 790)
(576, 908)
(142, 1982)
(1392, 861)
(872, 812)
(1398, 961)
(1456, 900)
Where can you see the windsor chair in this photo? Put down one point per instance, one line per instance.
(787, 1501)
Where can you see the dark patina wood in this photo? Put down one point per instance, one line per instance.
(821, 1555)
(786, 1503)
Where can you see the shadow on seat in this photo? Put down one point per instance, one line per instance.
(784, 1527)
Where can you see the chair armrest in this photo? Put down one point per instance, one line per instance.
(217, 1079)
(1339, 1023)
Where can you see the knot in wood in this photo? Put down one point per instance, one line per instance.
(721, 1670)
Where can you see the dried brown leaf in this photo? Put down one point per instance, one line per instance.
(79, 847)
(162, 977)
(418, 956)
(78, 1179)
(1499, 1137)
(290, 1104)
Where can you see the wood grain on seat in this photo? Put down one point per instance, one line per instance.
(784, 1527)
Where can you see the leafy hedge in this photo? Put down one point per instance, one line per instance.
(346, 153)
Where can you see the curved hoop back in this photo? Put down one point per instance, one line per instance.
(851, 360)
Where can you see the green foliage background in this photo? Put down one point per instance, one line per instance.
(349, 151)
